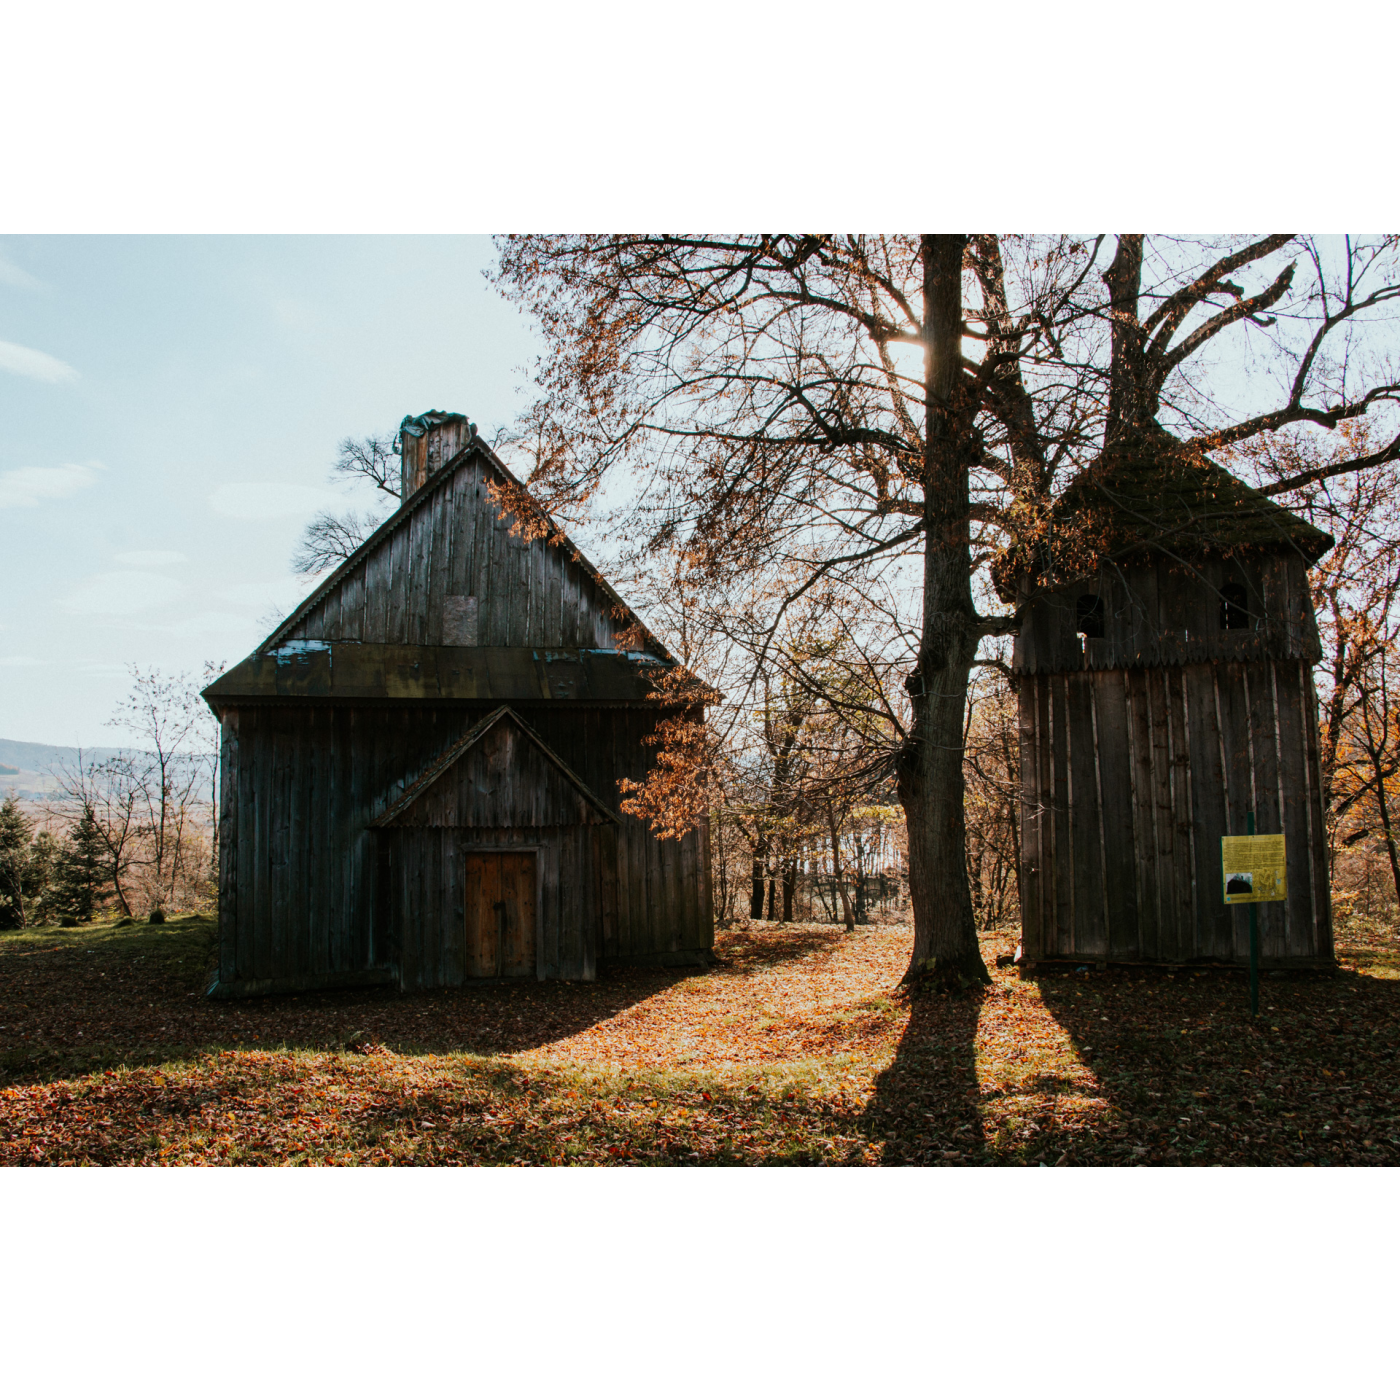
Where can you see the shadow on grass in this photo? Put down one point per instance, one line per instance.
(1191, 1078)
(925, 1107)
(78, 1000)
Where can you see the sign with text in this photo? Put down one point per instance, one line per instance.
(1254, 869)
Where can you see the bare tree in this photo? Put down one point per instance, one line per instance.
(329, 539)
(111, 791)
(149, 800)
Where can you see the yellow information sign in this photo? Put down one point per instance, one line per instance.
(1254, 869)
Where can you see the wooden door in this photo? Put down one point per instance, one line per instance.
(500, 909)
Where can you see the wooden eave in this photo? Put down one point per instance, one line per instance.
(349, 672)
(457, 750)
(558, 539)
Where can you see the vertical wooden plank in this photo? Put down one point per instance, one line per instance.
(1264, 725)
(1090, 929)
(1063, 795)
(1144, 826)
(463, 515)
(1184, 806)
(524, 603)
(1176, 588)
(558, 881)
(250, 845)
(396, 586)
(687, 893)
(1032, 861)
(488, 567)
(308, 854)
(384, 586)
(1116, 778)
(266, 789)
(474, 943)
(374, 601)
(1050, 869)
(228, 845)
(1163, 823)
(439, 562)
(519, 953)
(407, 882)
(1290, 757)
(1232, 700)
(324, 622)
(1214, 922)
(1093, 686)
(1318, 872)
(285, 902)
(415, 585)
(606, 839)
(554, 598)
(451, 907)
(343, 841)
(352, 606)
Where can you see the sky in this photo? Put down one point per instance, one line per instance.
(169, 411)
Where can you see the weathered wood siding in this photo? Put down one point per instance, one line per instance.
(427, 868)
(412, 588)
(303, 893)
(503, 780)
(1168, 614)
(1129, 779)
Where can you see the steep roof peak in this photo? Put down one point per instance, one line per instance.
(1150, 493)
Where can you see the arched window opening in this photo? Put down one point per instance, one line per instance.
(1234, 614)
(1089, 615)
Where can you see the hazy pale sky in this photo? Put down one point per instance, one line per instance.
(169, 411)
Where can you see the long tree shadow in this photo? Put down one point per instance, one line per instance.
(1189, 1077)
(924, 1109)
(74, 1002)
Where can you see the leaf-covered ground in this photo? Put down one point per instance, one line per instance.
(799, 1046)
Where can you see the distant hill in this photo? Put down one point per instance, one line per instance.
(17, 756)
(26, 769)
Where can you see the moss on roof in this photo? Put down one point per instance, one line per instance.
(1152, 494)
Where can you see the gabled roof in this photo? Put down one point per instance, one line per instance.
(458, 750)
(400, 519)
(1152, 493)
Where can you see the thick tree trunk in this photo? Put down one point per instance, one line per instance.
(789, 888)
(930, 774)
(1131, 402)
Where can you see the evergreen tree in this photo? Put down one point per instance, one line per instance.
(15, 832)
(83, 881)
(40, 890)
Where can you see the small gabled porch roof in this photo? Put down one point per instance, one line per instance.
(459, 749)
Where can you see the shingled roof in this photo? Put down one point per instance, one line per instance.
(1153, 494)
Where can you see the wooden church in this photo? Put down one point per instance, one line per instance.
(419, 768)
(1164, 675)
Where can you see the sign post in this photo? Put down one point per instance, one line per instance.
(1255, 872)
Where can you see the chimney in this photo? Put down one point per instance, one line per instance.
(427, 443)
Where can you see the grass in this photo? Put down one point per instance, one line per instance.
(798, 1047)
